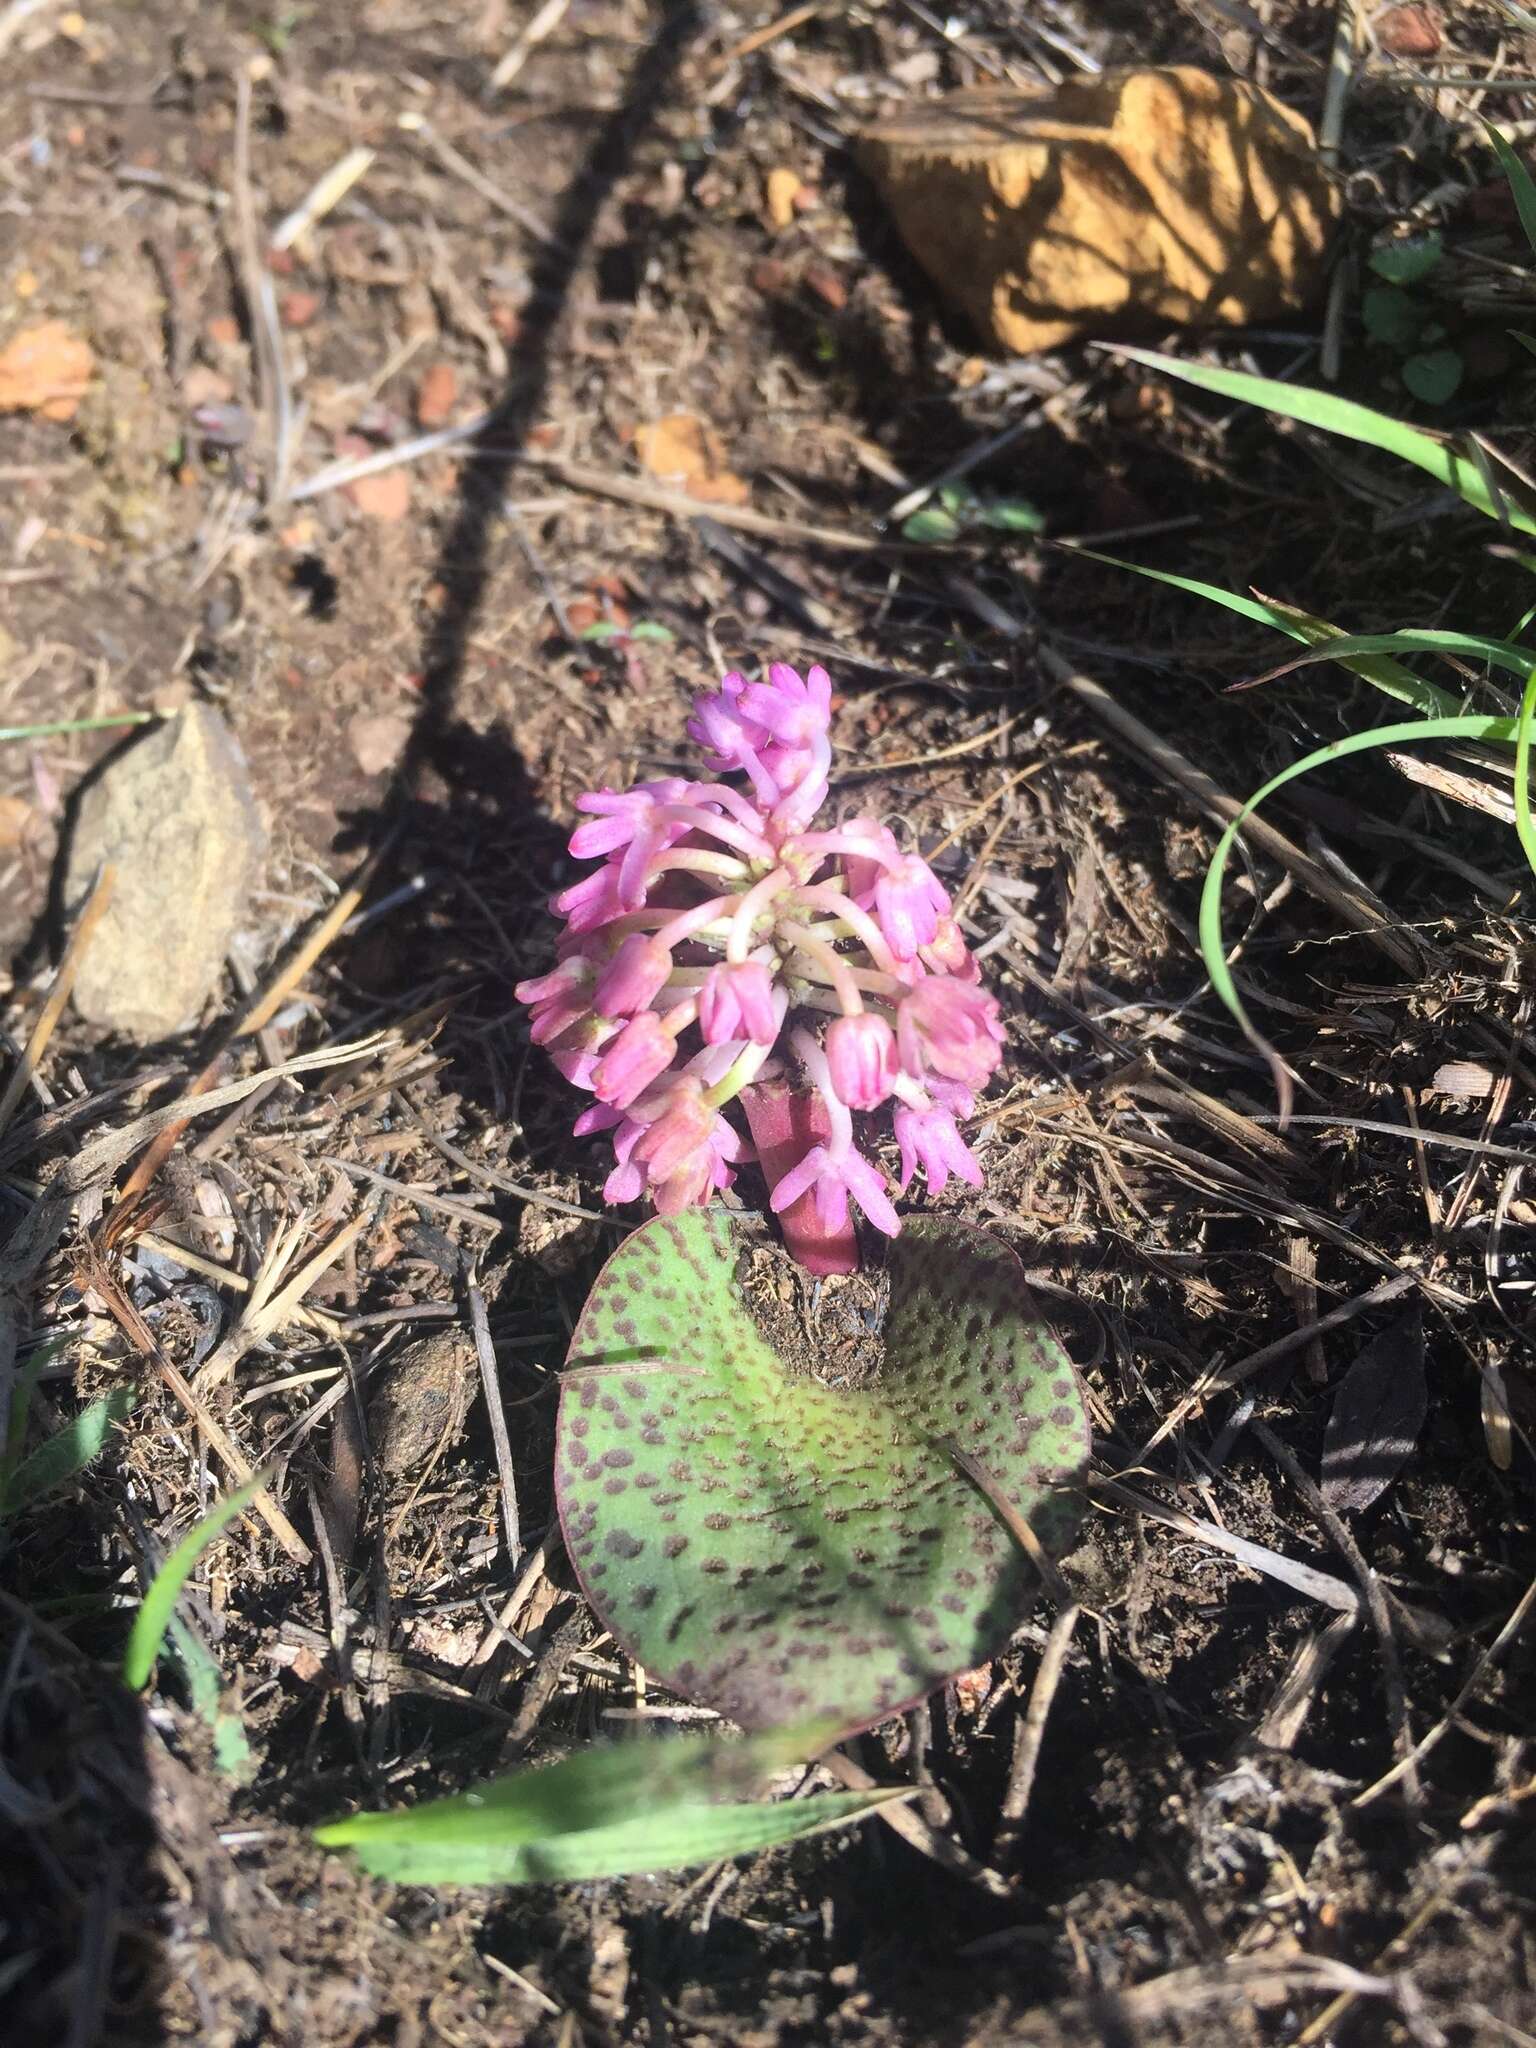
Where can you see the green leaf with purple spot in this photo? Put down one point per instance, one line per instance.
(775, 1547)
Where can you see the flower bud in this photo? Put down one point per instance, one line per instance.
(861, 1053)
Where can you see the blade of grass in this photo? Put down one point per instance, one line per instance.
(51, 727)
(68, 1451)
(1212, 943)
(28, 1374)
(159, 1603)
(1521, 182)
(1352, 422)
(1386, 675)
(1500, 654)
(648, 1805)
(1523, 824)
(231, 1750)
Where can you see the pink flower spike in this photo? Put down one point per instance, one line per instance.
(861, 1053)
(633, 977)
(831, 1181)
(642, 1051)
(737, 1002)
(908, 900)
(951, 1027)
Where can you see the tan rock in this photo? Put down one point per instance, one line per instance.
(1128, 201)
(176, 818)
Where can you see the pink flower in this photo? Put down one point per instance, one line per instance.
(833, 1180)
(592, 902)
(626, 1183)
(908, 899)
(947, 952)
(796, 712)
(928, 1138)
(642, 1051)
(736, 1001)
(720, 726)
(951, 1027)
(684, 1152)
(861, 1053)
(864, 868)
(633, 977)
(633, 825)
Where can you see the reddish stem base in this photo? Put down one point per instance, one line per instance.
(785, 1125)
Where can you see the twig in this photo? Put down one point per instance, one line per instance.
(972, 458)
(970, 746)
(259, 1011)
(1371, 1591)
(404, 1192)
(1524, 1608)
(326, 193)
(461, 167)
(490, 1385)
(1293, 1696)
(1302, 1578)
(271, 368)
(1007, 1511)
(1029, 1734)
(1363, 912)
(1341, 72)
(580, 477)
(523, 44)
(912, 1828)
(760, 38)
(1229, 1376)
(492, 1177)
(58, 995)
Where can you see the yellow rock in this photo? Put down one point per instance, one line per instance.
(1132, 200)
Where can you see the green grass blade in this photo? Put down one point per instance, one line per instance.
(61, 725)
(231, 1750)
(1523, 824)
(640, 1805)
(1500, 654)
(1212, 943)
(1384, 674)
(1352, 422)
(1520, 182)
(159, 1603)
(68, 1451)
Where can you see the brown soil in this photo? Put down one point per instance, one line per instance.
(1198, 1857)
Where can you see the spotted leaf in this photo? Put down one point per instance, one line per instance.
(774, 1547)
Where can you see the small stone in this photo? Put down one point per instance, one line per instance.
(176, 818)
(419, 1400)
(377, 740)
(436, 395)
(1127, 201)
(781, 190)
(299, 308)
(1408, 32)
